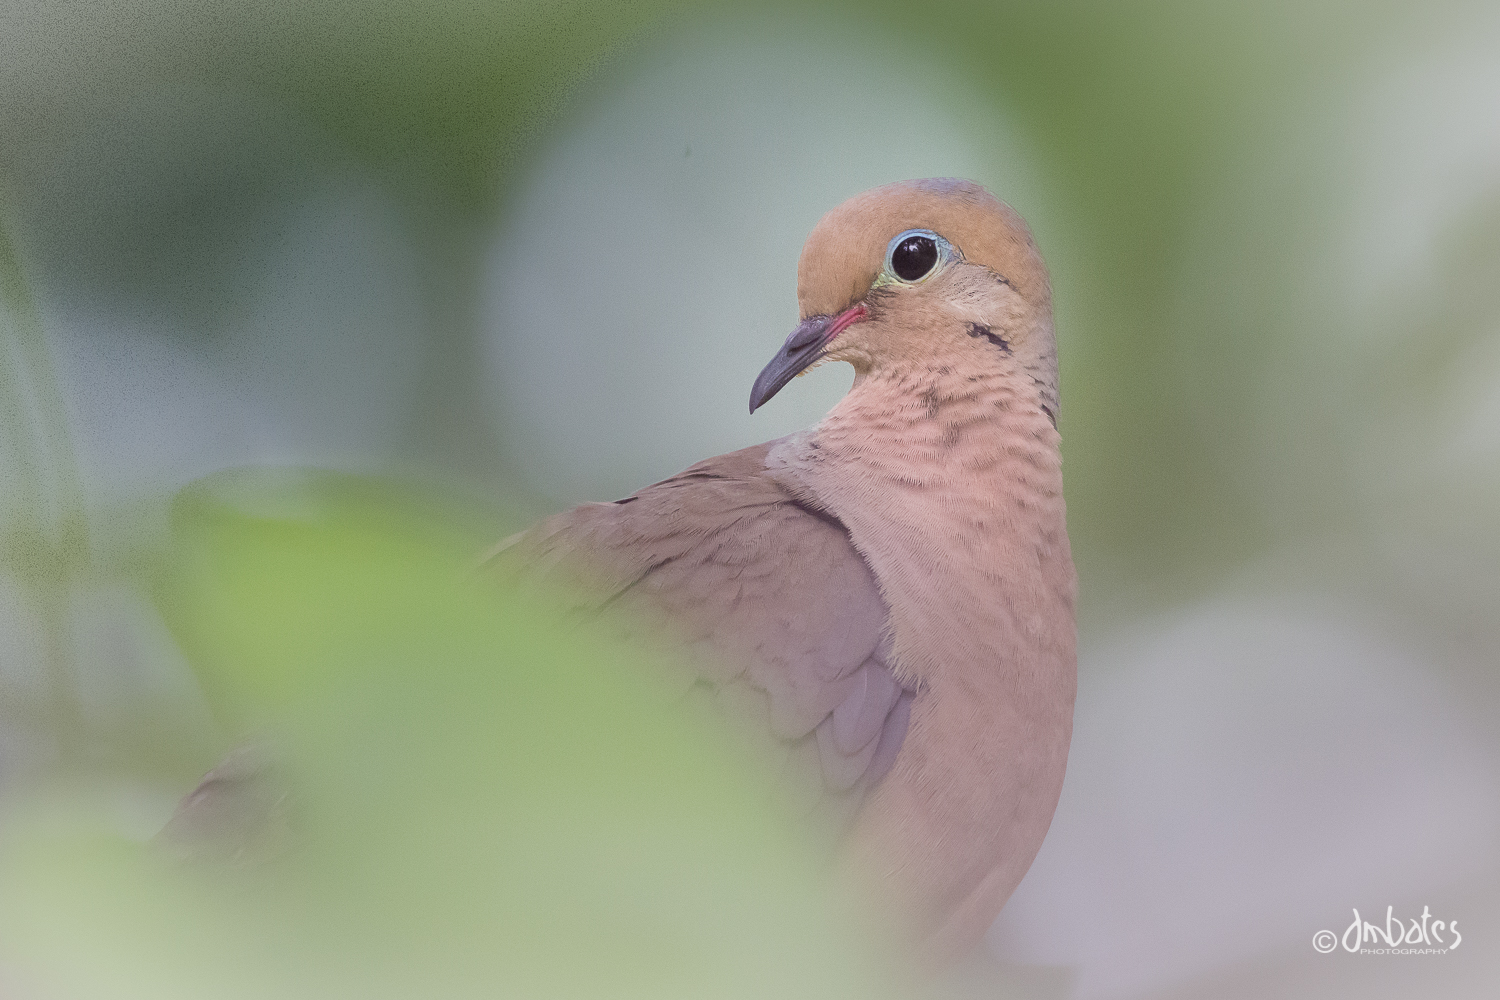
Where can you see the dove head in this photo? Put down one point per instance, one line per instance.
(909, 273)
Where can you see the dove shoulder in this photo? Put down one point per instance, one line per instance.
(779, 618)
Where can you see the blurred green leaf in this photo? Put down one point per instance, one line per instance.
(281, 581)
(486, 802)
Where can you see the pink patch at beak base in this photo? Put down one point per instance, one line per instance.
(846, 319)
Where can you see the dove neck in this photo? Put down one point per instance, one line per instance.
(950, 483)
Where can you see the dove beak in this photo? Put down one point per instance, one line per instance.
(801, 349)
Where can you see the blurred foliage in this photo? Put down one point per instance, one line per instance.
(37, 443)
(43, 526)
(1137, 112)
(441, 93)
(495, 804)
(487, 803)
(260, 539)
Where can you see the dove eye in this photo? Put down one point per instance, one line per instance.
(916, 254)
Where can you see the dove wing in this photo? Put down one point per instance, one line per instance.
(780, 617)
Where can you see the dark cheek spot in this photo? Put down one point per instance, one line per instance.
(979, 331)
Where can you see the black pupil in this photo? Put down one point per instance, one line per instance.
(914, 257)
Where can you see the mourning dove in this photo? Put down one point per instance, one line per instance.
(888, 596)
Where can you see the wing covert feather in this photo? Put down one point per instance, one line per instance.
(780, 616)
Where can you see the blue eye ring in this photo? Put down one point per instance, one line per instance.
(915, 255)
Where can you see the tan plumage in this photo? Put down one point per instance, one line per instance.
(889, 595)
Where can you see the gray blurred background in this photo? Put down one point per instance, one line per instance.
(534, 255)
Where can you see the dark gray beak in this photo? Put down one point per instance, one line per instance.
(800, 350)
